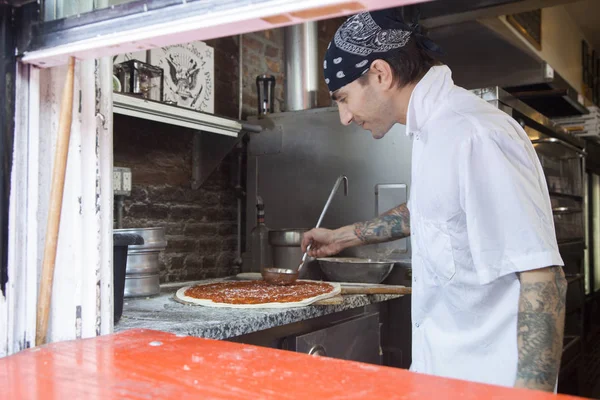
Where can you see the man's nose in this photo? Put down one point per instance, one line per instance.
(345, 115)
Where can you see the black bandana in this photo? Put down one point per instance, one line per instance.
(364, 38)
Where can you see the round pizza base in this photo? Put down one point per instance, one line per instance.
(182, 298)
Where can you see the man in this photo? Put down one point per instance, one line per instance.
(488, 298)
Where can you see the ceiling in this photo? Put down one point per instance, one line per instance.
(586, 14)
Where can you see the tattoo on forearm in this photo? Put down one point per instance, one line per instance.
(394, 224)
(540, 331)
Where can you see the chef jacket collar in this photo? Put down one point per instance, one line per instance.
(428, 94)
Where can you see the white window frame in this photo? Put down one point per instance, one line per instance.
(82, 301)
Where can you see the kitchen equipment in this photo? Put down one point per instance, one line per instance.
(355, 339)
(494, 58)
(121, 241)
(265, 87)
(285, 247)
(140, 78)
(55, 207)
(143, 266)
(350, 269)
(283, 276)
(315, 140)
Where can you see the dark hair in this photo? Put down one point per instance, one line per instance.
(408, 63)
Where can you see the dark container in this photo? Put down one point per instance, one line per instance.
(121, 241)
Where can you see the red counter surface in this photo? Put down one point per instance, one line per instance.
(143, 364)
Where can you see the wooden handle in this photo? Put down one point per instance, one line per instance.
(331, 301)
(390, 289)
(56, 197)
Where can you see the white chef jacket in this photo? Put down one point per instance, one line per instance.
(479, 212)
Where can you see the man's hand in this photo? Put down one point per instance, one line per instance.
(540, 327)
(392, 225)
(327, 243)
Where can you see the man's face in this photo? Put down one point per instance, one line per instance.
(367, 105)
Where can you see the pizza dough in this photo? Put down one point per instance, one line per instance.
(181, 296)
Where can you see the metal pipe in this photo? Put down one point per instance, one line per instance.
(120, 205)
(251, 128)
(301, 66)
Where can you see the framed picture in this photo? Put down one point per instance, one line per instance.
(188, 74)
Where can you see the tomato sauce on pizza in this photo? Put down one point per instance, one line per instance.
(257, 292)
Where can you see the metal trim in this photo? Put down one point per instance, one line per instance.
(552, 140)
(566, 210)
(497, 94)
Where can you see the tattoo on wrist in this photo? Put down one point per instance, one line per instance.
(394, 224)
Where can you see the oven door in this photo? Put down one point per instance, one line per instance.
(564, 169)
(356, 339)
(563, 166)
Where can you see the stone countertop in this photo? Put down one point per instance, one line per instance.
(165, 314)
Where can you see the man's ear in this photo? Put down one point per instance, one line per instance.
(383, 73)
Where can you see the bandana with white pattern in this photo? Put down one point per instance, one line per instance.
(363, 38)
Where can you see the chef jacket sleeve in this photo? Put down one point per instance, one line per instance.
(508, 212)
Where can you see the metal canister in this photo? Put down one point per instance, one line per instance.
(142, 277)
(285, 244)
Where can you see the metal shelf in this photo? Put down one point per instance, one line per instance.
(566, 196)
(173, 115)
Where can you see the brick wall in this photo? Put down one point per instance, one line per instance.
(200, 224)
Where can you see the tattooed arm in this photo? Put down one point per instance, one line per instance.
(392, 225)
(540, 327)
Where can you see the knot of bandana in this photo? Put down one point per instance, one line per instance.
(363, 38)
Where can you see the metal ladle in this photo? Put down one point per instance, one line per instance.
(283, 276)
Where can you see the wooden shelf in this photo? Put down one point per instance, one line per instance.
(173, 115)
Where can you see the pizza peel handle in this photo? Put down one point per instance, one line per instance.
(56, 197)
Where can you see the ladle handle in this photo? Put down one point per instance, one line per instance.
(304, 257)
(341, 179)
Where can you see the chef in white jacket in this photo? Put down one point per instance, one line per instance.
(488, 300)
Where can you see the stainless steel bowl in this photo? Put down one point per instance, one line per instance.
(355, 270)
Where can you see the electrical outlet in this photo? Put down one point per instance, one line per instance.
(117, 181)
(121, 181)
(127, 181)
